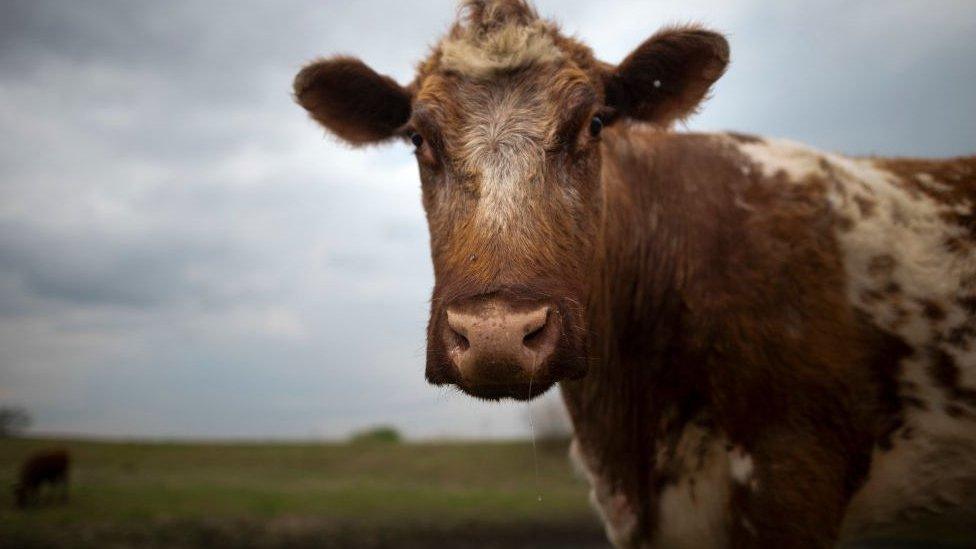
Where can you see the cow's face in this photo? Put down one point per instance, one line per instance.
(509, 168)
(506, 117)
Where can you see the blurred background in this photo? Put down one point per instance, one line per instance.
(185, 256)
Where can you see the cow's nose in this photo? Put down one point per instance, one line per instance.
(495, 342)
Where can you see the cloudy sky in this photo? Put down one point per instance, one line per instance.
(183, 253)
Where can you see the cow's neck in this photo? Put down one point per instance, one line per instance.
(642, 385)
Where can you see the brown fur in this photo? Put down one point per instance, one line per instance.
(668, 76)
(707, 332)
(350, 99)
(695, 292)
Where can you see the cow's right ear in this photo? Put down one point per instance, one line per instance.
(351, 100)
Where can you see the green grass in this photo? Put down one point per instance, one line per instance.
(366, 494)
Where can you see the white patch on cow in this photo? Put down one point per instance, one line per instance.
(927, 476)
(740, 466)
(741, 203)
(618, 516)
(503, 149)
(906, 231)
(480, 54)
(775, 155)
(694, 511)
(926, 180)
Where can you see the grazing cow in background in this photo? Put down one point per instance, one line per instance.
(759, 344)
(49, 467)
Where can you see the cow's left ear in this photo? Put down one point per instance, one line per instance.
(668, 76)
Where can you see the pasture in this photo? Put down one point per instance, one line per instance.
(369, 494)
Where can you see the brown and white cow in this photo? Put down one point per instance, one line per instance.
(760, 344)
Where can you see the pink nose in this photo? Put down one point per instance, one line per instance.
(494, 342)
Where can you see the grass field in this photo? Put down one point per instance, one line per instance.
(303, 495)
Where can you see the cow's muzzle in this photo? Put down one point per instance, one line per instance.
(495, 346)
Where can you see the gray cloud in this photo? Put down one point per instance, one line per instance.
(182, 253)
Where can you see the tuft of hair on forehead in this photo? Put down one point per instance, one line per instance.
(494, 13)
(496, 36)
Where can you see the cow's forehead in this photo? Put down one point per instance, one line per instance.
(536, 95)
(495, 133)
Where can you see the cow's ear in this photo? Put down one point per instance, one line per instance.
(351, 100)
(668, 76)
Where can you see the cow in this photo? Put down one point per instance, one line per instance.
(49, 467)
(759, 344)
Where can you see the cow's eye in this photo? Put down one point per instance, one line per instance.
(416, 139)
(423, 150)
(596, 126)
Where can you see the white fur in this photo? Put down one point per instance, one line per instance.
(694, 511)
(741, 466)
(617, 515)
(502, 149)
(513, 46)
(930, 182)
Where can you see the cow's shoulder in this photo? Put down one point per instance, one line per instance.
(906, 232)
(906, 236)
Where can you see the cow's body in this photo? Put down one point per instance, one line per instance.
(760, 345)
(790, 349)
(49, 467)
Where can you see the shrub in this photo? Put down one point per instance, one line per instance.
(13, 421)
(382, 434)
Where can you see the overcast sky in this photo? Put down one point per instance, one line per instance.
(183, 253)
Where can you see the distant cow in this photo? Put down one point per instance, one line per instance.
(759, 344)
(49, 467)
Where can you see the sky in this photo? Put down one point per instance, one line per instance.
(183, 253)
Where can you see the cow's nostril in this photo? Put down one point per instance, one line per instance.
(535, 328)
(462, 342)
(534, 337)
(457, 333)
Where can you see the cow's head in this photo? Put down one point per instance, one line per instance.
(506, 117)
